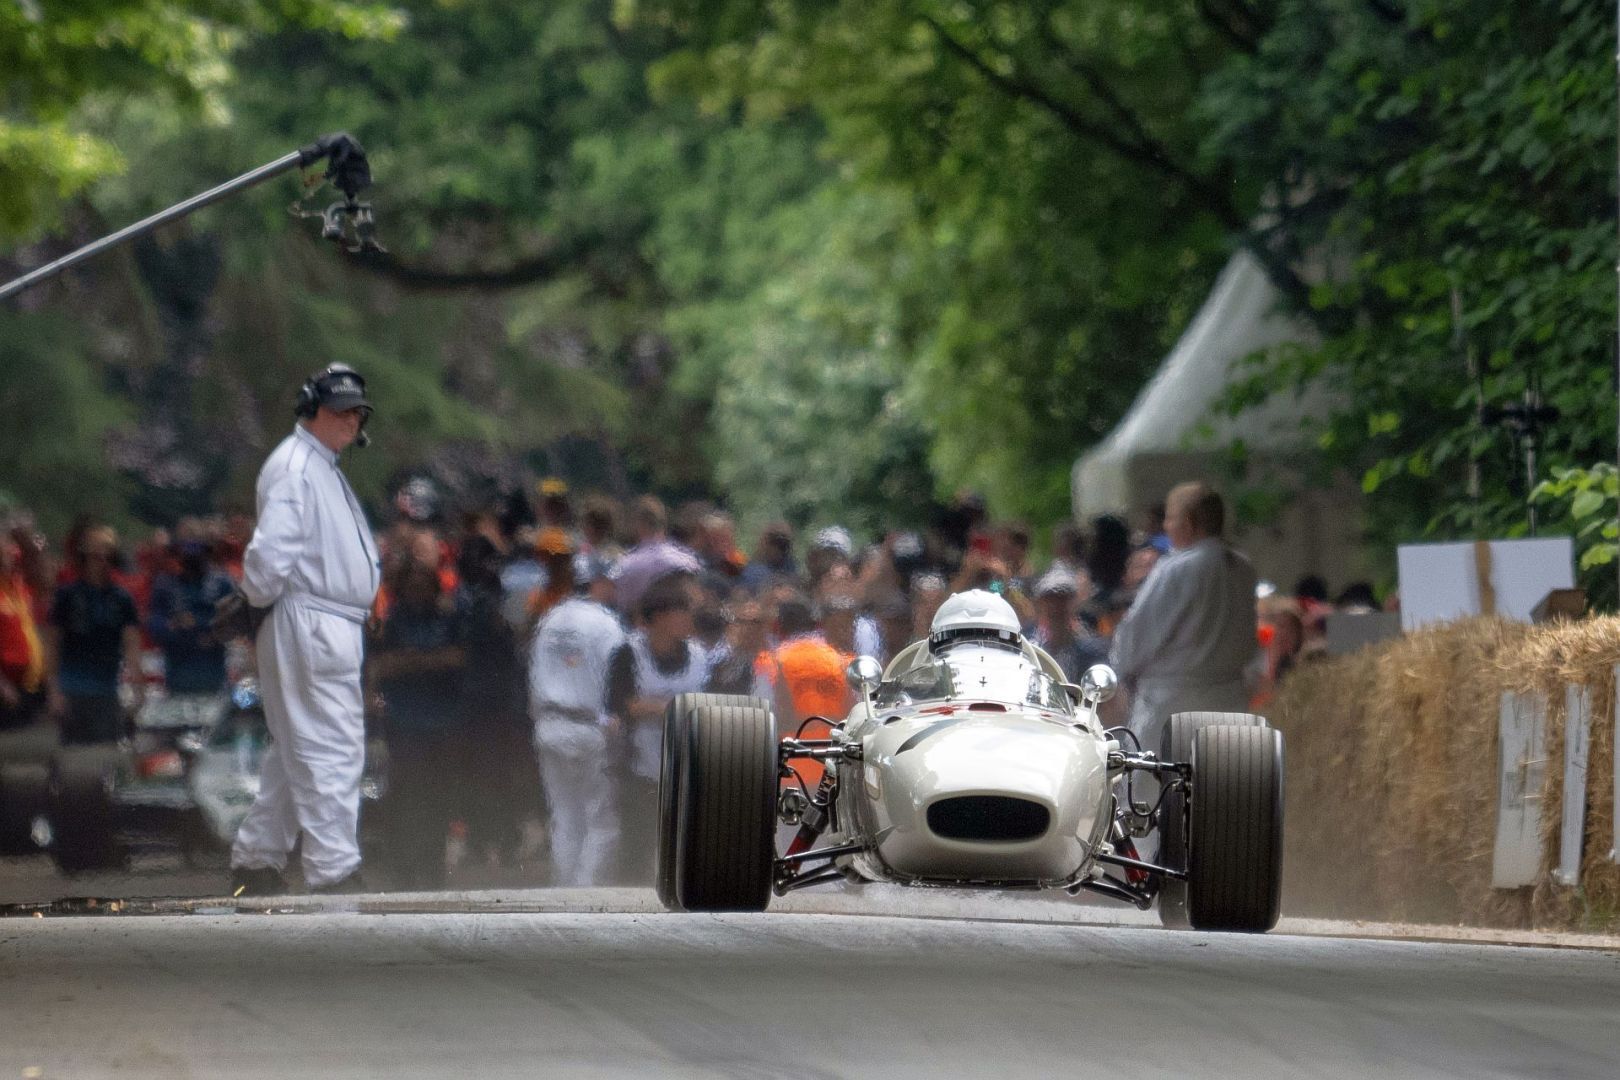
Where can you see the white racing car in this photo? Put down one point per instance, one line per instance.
(969, 762)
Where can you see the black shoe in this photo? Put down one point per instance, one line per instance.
(354, 883)
(259, 881)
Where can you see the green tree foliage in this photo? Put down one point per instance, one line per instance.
(478, 124)
(1588, 500)
(808, 420)
(832, 258)
(84, 363)
(1449, 167)
(570, 257)
(1060, 226)
(56, 56)
(57, 416)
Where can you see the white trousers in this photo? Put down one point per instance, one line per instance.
(581, 797)
(309, 683)
(1150, 716)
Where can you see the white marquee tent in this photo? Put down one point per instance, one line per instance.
(1171, 434)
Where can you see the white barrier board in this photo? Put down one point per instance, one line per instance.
(1442, 582)
(1521, 771)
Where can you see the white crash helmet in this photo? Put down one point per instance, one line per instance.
(975, 615)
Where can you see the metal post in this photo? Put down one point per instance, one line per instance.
(179, 210)
(1459, 345)
(1531, 436)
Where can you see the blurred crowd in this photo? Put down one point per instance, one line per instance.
(458, 678)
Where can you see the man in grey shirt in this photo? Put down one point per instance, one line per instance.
(1189, 640)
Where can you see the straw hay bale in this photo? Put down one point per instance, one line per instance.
(1582, 653)
(1392, 769)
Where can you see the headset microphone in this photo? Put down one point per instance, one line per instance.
(361, 439)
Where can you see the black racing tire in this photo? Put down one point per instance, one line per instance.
(84, 826)
(1178, 746)
(24, 796)
(676, 716)
(725, 829)
(1235, 829)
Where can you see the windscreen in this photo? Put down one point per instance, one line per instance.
(975, 672)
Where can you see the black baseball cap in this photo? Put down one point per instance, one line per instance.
(341, 388)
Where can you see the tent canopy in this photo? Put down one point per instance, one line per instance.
(1172, 434)
(1173, 416)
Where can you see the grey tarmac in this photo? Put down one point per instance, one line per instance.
(375, 988)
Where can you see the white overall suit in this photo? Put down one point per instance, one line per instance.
(568, 677)
(313, 557)
(1187, 643)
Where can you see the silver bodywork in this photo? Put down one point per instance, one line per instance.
(1004, 735)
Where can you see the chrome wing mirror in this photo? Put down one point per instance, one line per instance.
(864, 675)
(1097, 685)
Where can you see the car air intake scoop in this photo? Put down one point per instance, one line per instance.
(988, 818)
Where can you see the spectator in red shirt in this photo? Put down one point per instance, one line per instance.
(22, 653)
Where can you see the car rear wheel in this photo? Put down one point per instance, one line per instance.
(1178, 746)
(676, 717)
(84, 834)
(725, 808)
(24, 796)
(1235, 829)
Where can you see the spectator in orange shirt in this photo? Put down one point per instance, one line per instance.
(22, 652)
(805, 678)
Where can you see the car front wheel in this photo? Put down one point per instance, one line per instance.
(1235, 829)
(724, 814)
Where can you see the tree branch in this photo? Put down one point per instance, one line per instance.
(532, 270)
(1225, 27)
(1391, 13)
(1105, 92)
(1142, 149)
(1081, 125)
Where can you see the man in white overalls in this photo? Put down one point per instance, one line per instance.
(571, 655)
(314, 563)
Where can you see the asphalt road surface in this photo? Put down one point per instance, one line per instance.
(607, 994)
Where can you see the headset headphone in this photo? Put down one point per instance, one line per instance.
(321, 387)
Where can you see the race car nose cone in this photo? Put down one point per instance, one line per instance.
(1011, 795)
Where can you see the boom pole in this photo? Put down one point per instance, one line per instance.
(346, 168)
